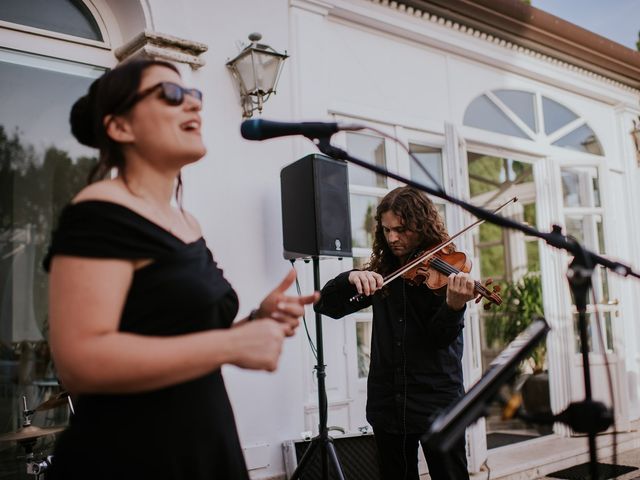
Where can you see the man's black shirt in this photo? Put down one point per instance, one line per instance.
(416, 351)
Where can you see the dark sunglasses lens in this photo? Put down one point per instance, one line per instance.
(195, 93)
(172, 93)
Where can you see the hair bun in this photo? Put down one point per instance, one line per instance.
(82, 118)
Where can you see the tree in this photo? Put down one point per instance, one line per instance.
(34, 188)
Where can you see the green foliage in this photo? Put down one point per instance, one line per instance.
(369, 224)
(522, 303)
(484, 173)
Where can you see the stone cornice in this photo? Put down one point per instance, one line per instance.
(165, 47)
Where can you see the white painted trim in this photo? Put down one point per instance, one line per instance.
(539, 114)
(511, 115)
(314, 6)
(568, 128)
(461, 40)
(56, 48)
(378, 115)
(95, 13)
(47, 63)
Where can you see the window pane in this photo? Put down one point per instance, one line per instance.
(530, 214)
(370, 149)
(41, 168)
(363, 338)
(575, 228)
(555, 115)
(533, 256)
(593, 328)
(588, 230)
(492, 263)
(363, 212)
(601, 284)
(483, 113)
(431, 160)
(486, 173)
(582, 139)
(521, 103)
(64, 16)
(580, 187)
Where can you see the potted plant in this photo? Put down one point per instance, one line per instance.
(522, 303)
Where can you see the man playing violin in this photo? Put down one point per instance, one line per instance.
(416, 345)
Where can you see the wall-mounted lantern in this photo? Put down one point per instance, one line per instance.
(256, 69)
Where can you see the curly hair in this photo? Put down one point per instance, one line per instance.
(418, 214)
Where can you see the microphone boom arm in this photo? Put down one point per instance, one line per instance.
(553, 238)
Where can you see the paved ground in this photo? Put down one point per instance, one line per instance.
(630, 459)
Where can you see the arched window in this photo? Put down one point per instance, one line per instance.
(517, 113)
(71, 17)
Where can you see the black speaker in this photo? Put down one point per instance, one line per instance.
(316, 219)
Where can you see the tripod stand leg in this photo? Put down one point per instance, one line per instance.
(334, 459)
(308, 454)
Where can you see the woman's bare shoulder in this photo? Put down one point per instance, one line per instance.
(105, 190)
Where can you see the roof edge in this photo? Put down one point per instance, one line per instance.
(538, 30)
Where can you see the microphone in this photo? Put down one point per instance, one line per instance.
(258, 129)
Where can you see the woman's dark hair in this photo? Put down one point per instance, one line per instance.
(418, 214)
(111, 94)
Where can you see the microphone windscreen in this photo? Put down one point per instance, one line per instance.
(251, 129)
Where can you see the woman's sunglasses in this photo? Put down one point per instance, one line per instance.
(172, 93)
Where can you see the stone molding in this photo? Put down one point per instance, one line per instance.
(161, 46)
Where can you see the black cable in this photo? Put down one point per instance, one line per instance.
(486, 464)
(304, 318)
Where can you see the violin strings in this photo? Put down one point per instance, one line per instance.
(447, 269)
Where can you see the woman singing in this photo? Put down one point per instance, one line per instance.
(141, 316)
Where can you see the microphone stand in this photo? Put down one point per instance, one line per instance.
(587, 416)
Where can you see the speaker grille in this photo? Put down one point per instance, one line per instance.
(316, 219)
(332, 207)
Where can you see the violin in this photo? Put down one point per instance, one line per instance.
(434, 273)
(434, 266)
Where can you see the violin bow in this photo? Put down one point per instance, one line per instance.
(430, 253)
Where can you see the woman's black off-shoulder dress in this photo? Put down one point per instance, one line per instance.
(186, 431)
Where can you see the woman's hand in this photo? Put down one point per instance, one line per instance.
(257, 345)
(460, 289)
(366, 282)
(284, 308)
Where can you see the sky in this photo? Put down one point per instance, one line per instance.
(618, 20)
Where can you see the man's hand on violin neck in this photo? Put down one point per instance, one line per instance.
(367, 283)
(460, 289)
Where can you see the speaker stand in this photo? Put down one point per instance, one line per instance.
(322, 441)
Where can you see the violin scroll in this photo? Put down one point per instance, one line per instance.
(493, 295)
